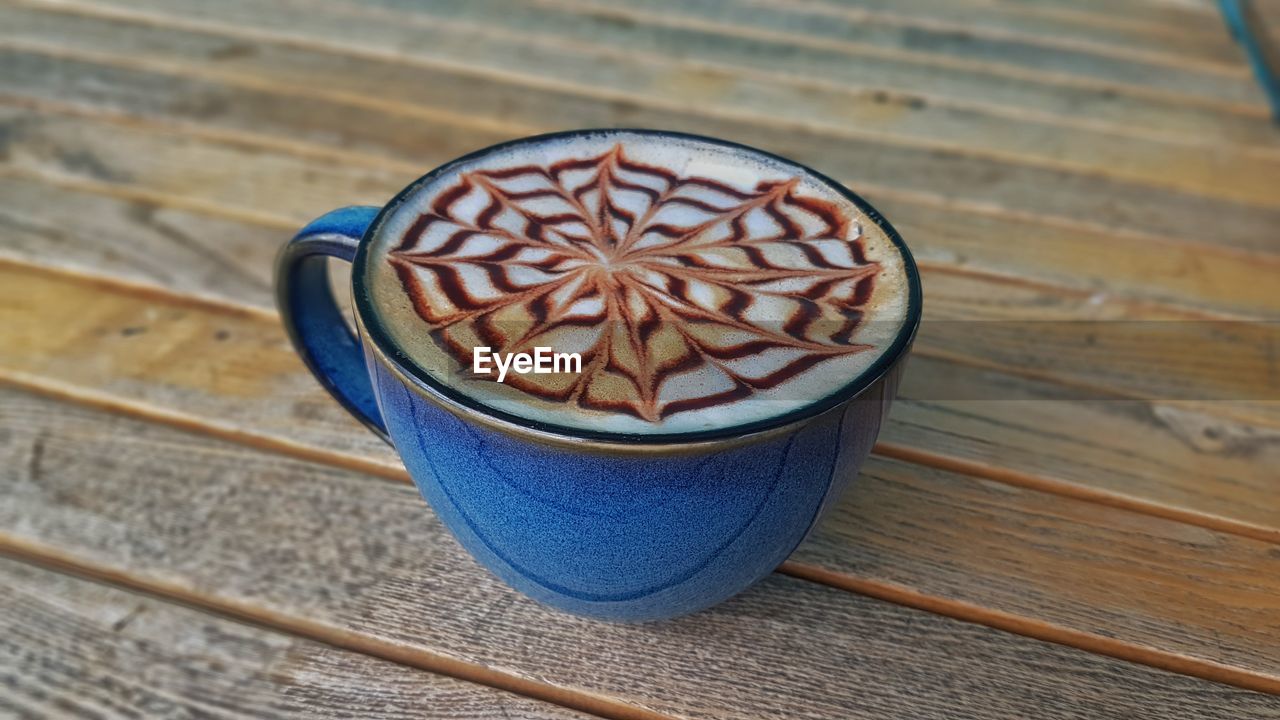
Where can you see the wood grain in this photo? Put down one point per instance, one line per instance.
(633, 95)
(248, 386)
(940, 230)
(215, 364)
(155, 168)
(1042, 176)
(969, 46)
(1040, 434)
(1234, 174)
(256, 530)
(188, 251)
(1012, 20)
(1182, 591)
(1111, 108)
(73, 648)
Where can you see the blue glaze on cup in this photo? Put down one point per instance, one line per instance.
(620, 530)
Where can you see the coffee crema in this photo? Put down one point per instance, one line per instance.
(704, 286)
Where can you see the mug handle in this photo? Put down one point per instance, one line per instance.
(311, 315)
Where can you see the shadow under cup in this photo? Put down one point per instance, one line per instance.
(618, 527)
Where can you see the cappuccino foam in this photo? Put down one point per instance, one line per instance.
(702, 286)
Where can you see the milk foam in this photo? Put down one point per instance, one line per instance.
(704, 286)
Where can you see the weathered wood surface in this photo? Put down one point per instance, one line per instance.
(1040, 59)
(997, 58)
(1169, 17)
(232, 373)
(392, 128)
(183, 243)
(255, 530)
(548, 92)
(190, 252)
(1195, 40)
(1096, 160)
(1104, 108)
(1178, 262)
(73, 648)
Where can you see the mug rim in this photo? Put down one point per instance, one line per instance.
(391, 353)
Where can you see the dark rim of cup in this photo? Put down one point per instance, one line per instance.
(381, 338)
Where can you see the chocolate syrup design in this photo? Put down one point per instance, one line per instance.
(679, 293)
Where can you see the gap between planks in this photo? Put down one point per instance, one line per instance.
(309, 150)
(554, 85)
(55, 560)
(879, 590)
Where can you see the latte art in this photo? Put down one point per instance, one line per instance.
(701, 287)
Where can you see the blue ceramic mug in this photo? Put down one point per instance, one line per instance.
(613, 525)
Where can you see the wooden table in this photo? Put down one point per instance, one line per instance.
(1048, 528)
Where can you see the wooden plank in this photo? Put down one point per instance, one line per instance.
(171, 354)
(1198, 40)
(175, 363)
(1239, 176)
(191, 252)
(1168, 14)
(293, 186)
(1104, 347)
(1065, 563)
(1234, 174)
(967, 47)
(73, 648)
(1040, 434)
(240, 527)
(1084, 257)
(138, 346)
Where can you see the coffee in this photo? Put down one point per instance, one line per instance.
(699, 285)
